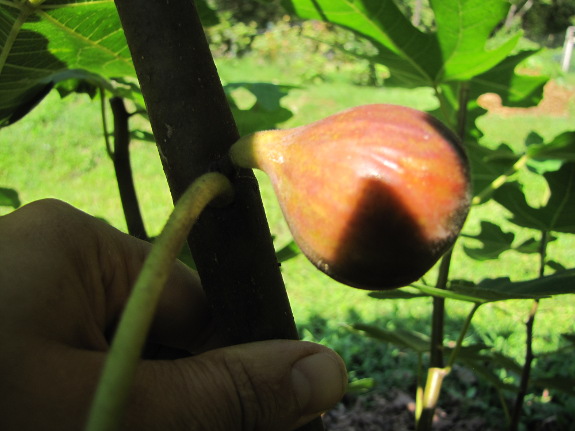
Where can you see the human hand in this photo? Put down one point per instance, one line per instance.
(64, 278)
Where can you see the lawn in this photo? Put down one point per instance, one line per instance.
(58, 151)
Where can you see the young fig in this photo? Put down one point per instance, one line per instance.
(373, 195)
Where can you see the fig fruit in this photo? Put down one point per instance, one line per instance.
(373, 195)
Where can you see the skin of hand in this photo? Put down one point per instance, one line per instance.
(64, 277)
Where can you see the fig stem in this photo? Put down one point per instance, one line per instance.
(254, 150)
(427, 401)
(529, 354)
(112, 393)
(437, 371)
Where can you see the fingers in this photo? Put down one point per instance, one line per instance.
(84, 269)
(65, 277)
(273, 385)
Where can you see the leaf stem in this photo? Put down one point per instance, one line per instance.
(437, 371)
(430, 396)
(529, 355)
(120, 367)
(526, 371)
(13, 34)
(419, 391)
(105, 130)
(462, 110)
(442, 103)
(123, 170)
(436, 349)
(433, 384)
(459, 342)
(499, 181)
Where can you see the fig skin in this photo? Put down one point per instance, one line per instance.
(373, 195)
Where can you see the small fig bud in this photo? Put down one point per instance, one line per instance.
(373, 195)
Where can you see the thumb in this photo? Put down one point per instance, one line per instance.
(268, 385)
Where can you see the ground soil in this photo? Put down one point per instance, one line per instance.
(395, 411)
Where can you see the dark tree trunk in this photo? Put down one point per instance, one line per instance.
(194, 127)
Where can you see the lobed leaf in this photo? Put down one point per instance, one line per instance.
(43, 43)
(473, 294)
(413, 56)
(513, 88)
(493, 242)
(457, 51)
(556, 215)
(562, 148)
(501, 289)
(487, 164)
(559, 283)
(463, 29)
(402, 338)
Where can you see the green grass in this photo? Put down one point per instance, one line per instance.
(57, 151)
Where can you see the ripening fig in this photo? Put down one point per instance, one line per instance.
(373, 195)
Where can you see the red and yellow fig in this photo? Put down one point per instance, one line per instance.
(373, 195)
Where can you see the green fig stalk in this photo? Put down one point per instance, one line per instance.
(120, 366)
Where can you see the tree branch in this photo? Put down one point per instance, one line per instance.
(194, 127)
(123, 168)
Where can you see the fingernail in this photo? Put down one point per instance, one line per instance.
(319, 382)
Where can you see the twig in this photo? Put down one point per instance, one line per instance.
(529, 355)
(123, 169)
(120, 367)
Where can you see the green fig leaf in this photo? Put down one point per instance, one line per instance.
(360, 386)
(457, 51)
(501, 289)
(514, 89)
(476, 294)
(556, 215)
(483, 362)
(532, 245)
(562, 148)
(482, 353)
(42, 44)
(487, 164)
(463, 29)
(493, 242)
(562, 384)
(412, 56)
(287, 252)
(559, 283)
(208, 16)
(404, 339)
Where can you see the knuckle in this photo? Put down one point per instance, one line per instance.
(260, 400)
